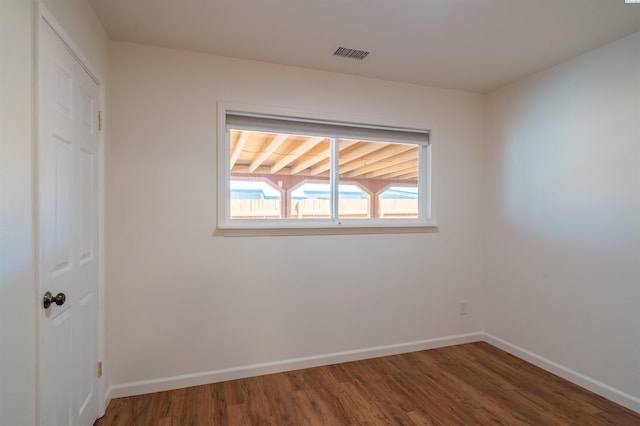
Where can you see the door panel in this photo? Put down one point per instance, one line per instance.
(87, 170)
(61, 204)
(84, 390)
(62, 329)
(68, 154)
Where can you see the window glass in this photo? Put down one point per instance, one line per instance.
(377, 165)
(312, 200)
(322, 171)
(398, 202)
(254, 199)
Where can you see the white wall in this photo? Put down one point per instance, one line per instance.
(83, 26)
(563, 217)
(17, 279)
(184, 301)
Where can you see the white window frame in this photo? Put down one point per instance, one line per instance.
(291, 226)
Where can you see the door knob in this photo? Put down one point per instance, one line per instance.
(58, 299)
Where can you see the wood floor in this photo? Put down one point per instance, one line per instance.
(473, 384)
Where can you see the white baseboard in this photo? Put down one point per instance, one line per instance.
(586, 382)
(195, 379)
(107, 398)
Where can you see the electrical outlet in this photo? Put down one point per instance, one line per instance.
(462, 307)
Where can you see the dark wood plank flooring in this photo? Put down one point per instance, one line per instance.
(473, 384)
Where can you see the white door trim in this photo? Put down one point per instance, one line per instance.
(46, 18)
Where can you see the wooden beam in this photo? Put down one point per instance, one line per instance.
(265, 170)
(311, 160)
(408, 176)
(362, 149)
(392, 168)
(390, 164)
(400, 172)
(296, 153)
(242, 140)
(326, 164)
(267, 151)
(379, 155)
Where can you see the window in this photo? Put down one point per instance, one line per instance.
(287, 172)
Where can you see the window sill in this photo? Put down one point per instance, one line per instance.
(329, 230)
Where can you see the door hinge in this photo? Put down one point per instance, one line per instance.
(99, 120)
(100, 369)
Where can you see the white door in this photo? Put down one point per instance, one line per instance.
(68, 235)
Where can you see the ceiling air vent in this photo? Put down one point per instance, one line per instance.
(345, 52)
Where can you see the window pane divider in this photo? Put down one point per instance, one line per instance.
(334, 179)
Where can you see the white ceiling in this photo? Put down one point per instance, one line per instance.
(476, 45)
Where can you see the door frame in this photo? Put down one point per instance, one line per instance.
(44, 17)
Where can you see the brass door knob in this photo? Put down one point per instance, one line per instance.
(48, 299)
